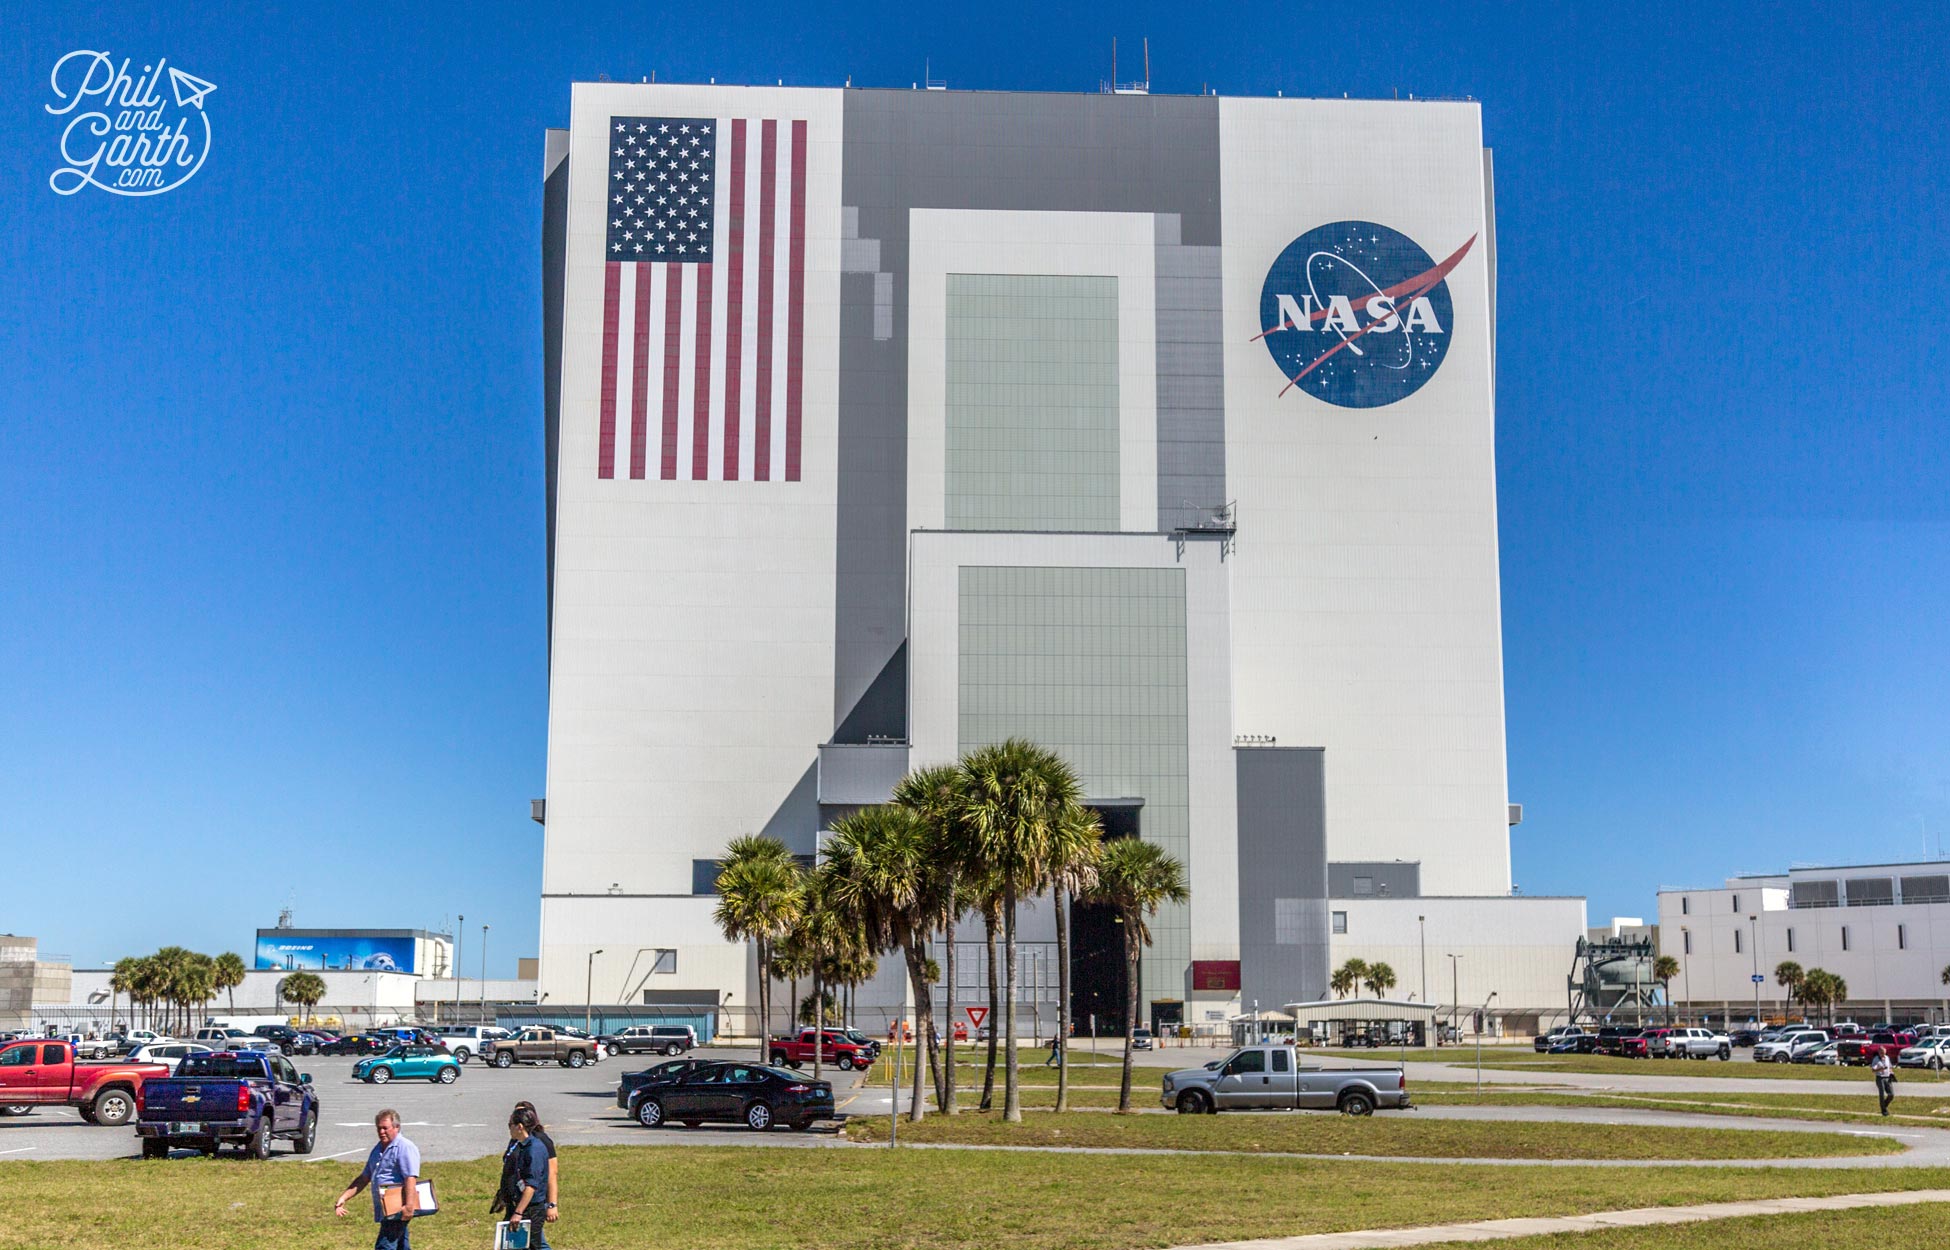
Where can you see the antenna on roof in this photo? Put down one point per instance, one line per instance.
(1147, 62)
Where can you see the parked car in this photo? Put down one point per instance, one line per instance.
(38, 1073)
(305, 1042)
(1929, 1052)
(168, 1052)
(751, 1094)
(538, 1045)
(871, 1045)
(223, 1037)
(1549, 1038)
(1744, 1038)
(1697, 1043)
(248, 1098)
(1608, 1040)
(834, 1045)
(634, 1086)
(282, 1034)
(662, 1039)
(427, 1063)
(1281, 1077)
(358, 1044)
(1827, 1055)
(1141, 1039)
(464, 1041)
(1644, 1044)
(1860, 1050)
(1784, 1048)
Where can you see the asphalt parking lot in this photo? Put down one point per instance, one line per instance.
(465, 1120)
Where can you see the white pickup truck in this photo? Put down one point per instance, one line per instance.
(1283, 1078)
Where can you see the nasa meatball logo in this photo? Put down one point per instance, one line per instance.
(1357, 314)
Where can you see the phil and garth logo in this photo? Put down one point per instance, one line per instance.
(123, 134)
(1357, 314)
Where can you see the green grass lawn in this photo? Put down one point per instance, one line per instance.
(1889, 1228)
(1913, 1106)
(1740, 1066)
(1382, 1135)
(739, 1198)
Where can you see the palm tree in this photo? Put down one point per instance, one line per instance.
(760, 891)
(1135, 878)
(1017, 794)
(171, 964)
(199, 984)
(230, 975)
(1788, 975)
(886, 878)
(934, 795)
(1664, 969)
(1380, 978)
(1823, 989)
(1075, 855)
(1348, 977)
(303, 988)
(121, 981)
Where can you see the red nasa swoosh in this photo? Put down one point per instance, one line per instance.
(1408, 288)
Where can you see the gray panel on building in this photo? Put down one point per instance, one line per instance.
(1393, 878)
(1283, 938)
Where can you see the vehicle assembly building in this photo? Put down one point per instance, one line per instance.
(885, 424)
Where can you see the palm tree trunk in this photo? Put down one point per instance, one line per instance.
(917, 1108)
(995, 1013)
(1062, 1000)
(819, 1023)
(948, 1106)
(764, 1003)
(1011, 1095)
(1130, 1011)
(933, 1038)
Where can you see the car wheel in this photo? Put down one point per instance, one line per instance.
(577, 1058)
(87, 1113)
(380, 1075)
(17, 1108)
(758, 1117)
(1726, 1053)
(673, 1050)
(258, 1146)
(650, 1113)
(449, 1073)
(1193, 1102)
(308, 1135)
(778, 1058)
(154, 1148)
(612, 1049)
(114, 1107)
(1354, 1102)
(844, 1063)
(462, 1055)
(504, 1060)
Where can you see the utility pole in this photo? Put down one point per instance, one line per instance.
(588, 989)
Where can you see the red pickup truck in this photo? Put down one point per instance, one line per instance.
(1860, 1049)
(41, 1073)
(835, 1048)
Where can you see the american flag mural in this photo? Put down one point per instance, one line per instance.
(703, 299)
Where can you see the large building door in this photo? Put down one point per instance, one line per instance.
(1099, 981)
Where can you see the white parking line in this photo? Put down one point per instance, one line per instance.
(324, 1158)
(19, 1150)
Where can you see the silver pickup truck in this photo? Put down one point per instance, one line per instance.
(1282, 1078)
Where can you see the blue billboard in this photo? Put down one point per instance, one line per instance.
(357, 952)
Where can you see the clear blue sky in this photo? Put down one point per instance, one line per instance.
(271, 583)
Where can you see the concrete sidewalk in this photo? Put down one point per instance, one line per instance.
(1642, 1217)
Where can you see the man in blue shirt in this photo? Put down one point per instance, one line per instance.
(395, 1161)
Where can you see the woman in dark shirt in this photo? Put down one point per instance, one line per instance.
(539, 1131)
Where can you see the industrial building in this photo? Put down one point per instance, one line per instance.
(1883, 928)
(884, 424)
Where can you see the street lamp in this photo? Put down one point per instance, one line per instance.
(1753, 933)
(1455, 999)
(460, 931)
(588, 988)
(1686, 967)
(484, 930)
(1423, 921)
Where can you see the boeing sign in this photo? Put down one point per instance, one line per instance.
(1357, 314)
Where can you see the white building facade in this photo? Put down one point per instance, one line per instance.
(1160, 430)
(1883, 928)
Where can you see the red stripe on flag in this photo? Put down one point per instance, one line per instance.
(734, 313)
(701, 391)
(640, 375)
(606, 437)
(767, 199)
(795, 303)
(673, 323)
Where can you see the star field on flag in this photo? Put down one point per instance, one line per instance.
(662, 184)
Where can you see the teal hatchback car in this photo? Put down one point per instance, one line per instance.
(426, 1063)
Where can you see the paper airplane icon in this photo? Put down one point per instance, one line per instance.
(189, 89)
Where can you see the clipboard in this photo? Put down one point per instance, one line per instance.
(511, 1235)
(392, 1203)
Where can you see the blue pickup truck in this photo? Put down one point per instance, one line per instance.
(245, 1097)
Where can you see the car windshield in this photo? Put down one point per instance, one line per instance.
(221, 1067)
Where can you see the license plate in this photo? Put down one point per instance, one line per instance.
(186, 1129)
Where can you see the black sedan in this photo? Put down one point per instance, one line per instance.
(736, 1093)
(358, 1044)
(629, 1090)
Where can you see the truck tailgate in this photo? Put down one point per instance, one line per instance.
(170, 1100)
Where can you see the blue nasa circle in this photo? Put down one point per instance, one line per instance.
(1361, 347)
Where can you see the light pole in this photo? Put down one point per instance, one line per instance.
(1479, 1042)
(484, 930)
(1753, 933)
(588, 990)
(1687, 966)
(1423, 921)
(1455, 999)
(460, 931)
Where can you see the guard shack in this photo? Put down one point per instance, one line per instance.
(1356, 1022)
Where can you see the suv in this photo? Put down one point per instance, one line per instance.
(1784, 1048)
(464, 1041)
(663, 1039)
(1563, 1033)
(222, 1037)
